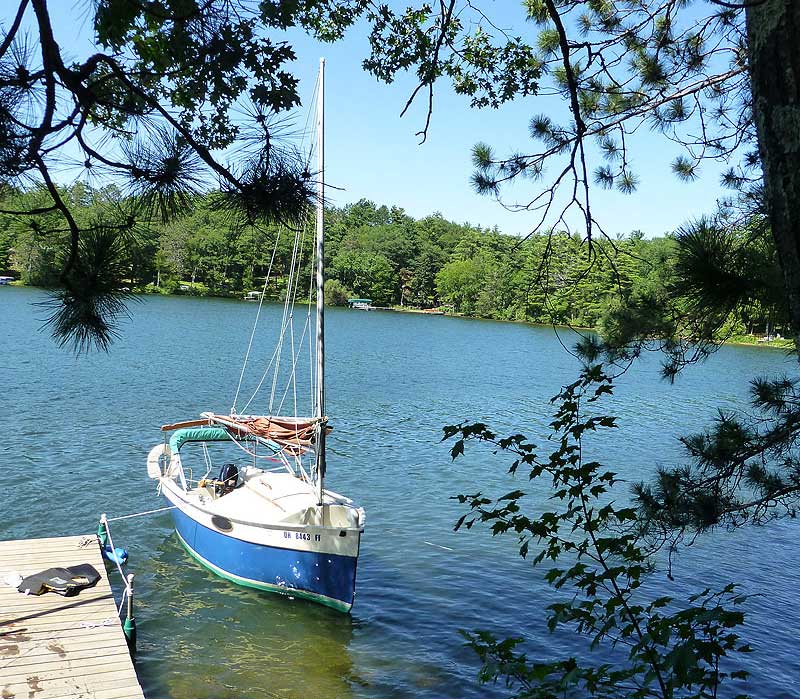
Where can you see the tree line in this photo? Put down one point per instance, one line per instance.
(717, 79)
(372, 251)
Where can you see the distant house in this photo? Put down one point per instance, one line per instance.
(361, 304)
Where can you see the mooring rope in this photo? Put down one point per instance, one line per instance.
(140, 514)
(126, 592)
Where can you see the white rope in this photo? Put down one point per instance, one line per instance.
(280, 453)
(313, 378)
(295, 358)
(288, 312)
(285, 320)
(293, 292)
(122, 599)
(207, 459)
(302, 470)
(438, 546)
(287, 323)
(292, 382)
(255, 325)
(115, 560)
(275, 359)
(140, 514)
(111, 621)
(278, 364)
(261, 381)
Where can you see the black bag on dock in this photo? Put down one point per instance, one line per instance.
(63, 581)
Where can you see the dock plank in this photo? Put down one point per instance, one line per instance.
(60, 668)
(52, 603)
(62, 646)
(54, 647)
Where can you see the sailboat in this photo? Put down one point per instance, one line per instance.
(267, 522)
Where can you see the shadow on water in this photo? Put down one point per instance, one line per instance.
(202, 637)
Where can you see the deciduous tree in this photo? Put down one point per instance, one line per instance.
(152, 107)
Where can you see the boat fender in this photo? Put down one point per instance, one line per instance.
(115, 555)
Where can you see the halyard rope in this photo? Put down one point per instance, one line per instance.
(288, 310)
(278, 364)
(255, 325)
(286, 320)
(291, 295)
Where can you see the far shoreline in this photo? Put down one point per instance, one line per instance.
(737, 340)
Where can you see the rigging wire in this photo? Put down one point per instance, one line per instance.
(288, 311)
(279, 360)
(286, 322)
(255, 326)
(292, 383)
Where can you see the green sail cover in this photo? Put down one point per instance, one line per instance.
(197, 434)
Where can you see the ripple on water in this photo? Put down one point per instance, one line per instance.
(78, 432)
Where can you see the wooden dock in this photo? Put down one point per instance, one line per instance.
(61, 647)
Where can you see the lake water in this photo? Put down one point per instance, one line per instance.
(77, 431)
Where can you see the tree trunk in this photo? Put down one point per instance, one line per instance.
(773, 28)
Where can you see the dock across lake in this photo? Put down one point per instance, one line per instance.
(54, 647)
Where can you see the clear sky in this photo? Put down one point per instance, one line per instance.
(372, 153)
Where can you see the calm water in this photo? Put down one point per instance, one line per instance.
(77, 431)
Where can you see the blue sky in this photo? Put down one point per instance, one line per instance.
(372, 153)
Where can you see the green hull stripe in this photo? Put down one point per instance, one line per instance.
(266, 587)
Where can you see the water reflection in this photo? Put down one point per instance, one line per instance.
(205, 638)
(79, 430)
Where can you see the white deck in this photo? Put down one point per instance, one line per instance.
(280, 497)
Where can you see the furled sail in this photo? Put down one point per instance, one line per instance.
(295, 435)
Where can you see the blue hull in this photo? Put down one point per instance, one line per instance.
(326, 578)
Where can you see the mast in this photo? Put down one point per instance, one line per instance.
(320, 250)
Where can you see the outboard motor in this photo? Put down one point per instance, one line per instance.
(228, 479)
